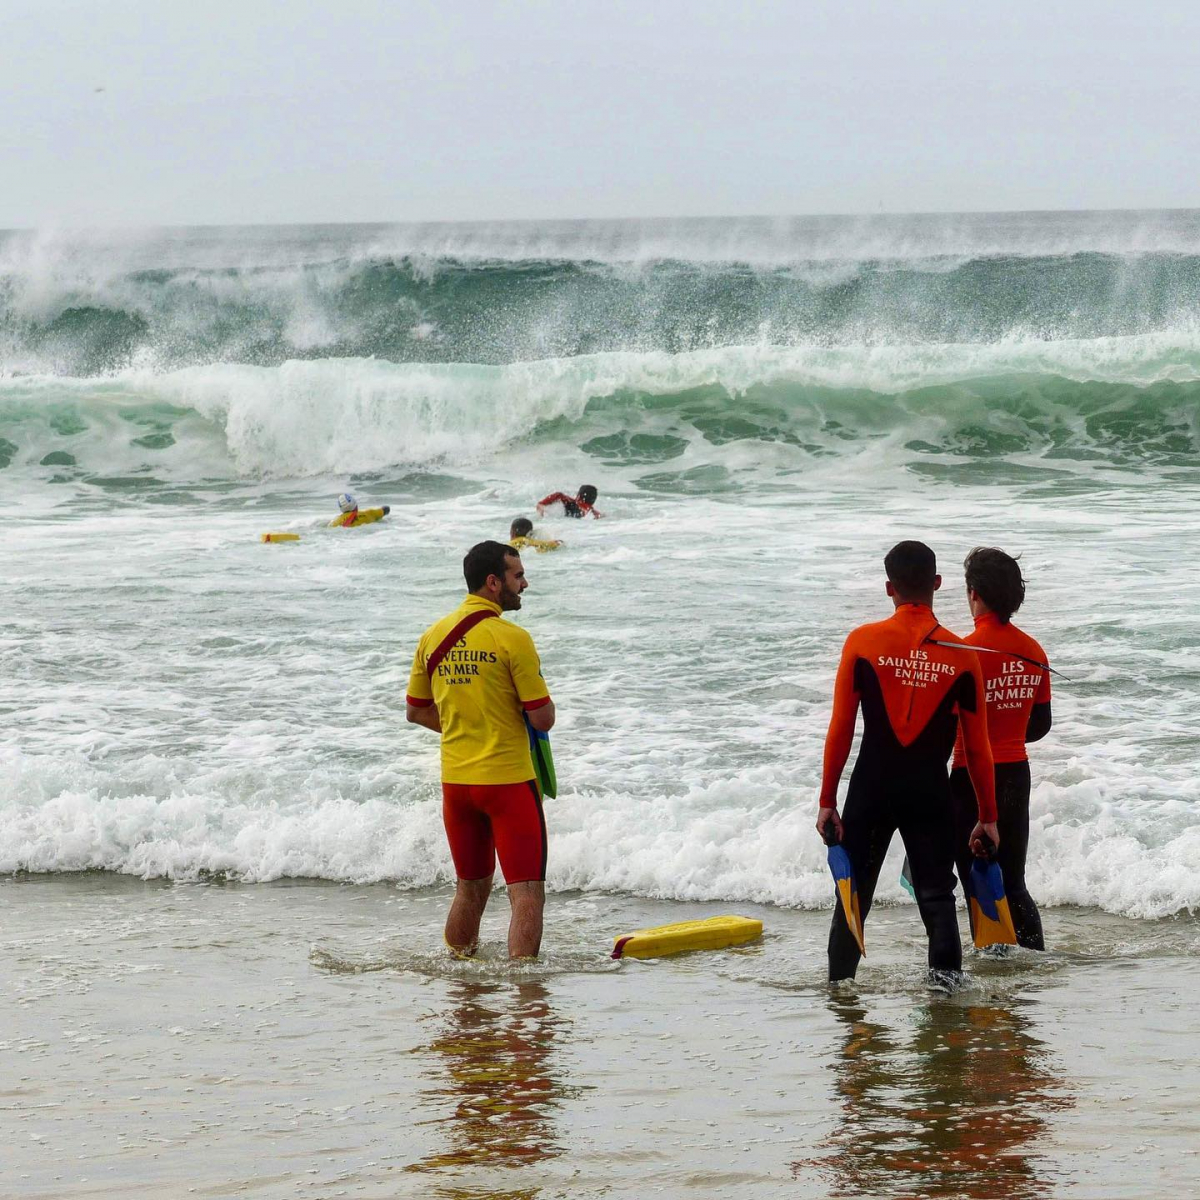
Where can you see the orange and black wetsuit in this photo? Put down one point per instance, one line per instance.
(1017, 695)
(913, 694)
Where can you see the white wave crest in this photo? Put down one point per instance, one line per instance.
(340, 416)
(718, 840)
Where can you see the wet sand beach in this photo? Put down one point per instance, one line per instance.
(313, 1039)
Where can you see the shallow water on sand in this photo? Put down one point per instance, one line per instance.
(314, 1040)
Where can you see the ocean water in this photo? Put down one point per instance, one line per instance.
(765, 406)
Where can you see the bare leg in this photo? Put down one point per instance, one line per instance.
(466, 911)
(525, 928)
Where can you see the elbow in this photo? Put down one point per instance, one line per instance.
(1040, 721)
(412, 714)
(542, 717)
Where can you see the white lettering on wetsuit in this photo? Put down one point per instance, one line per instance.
(917, 668)
(1013, 687)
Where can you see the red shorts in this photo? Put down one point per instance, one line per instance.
(484, 820)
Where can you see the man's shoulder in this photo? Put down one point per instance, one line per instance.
(513, 636)
(872, 630)
(1030, 645)
(1007, 637)
(442, 625)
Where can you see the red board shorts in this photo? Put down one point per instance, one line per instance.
(484, 820)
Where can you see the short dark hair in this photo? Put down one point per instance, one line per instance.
(912, 568)
(587, 493)
(484, 559)
(521, 527)
(997, 578)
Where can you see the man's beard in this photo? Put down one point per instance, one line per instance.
(510, 600)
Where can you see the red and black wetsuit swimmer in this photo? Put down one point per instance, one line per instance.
(1017, 694)
(582, 504)
(913, 695)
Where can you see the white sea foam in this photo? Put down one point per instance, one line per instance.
(748, 837)
(185, 700)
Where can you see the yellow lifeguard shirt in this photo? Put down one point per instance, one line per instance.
(481, 689)
(360, 516)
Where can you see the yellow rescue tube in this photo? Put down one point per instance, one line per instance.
(712, 934)
(280, 537)
(364, 516)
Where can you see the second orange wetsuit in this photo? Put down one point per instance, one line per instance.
(913, 694)
(1016, 677)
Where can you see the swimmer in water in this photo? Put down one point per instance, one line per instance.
(519, 537)
(350, 515)
(582, 504)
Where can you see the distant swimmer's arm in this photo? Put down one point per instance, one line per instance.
(978, 749)
(1039, 722)
(554, 498)
(839, 739)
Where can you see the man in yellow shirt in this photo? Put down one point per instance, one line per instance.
(475, 680)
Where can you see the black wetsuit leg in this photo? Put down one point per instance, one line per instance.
(927, 826)
(867, 828)
(923, 815)
(1012, 807)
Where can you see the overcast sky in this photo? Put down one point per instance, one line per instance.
(232, 111)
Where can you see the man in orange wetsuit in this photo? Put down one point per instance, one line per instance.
(913, 695)
(476, 680)
(1017, 698)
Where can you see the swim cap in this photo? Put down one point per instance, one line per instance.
(347, 502)
(588, 494)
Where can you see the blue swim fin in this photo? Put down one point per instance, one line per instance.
(847, 890)
(991, 922)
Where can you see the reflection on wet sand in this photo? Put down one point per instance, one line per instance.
(954, 1109)
(496, 1072)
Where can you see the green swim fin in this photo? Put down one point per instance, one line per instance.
(543, 760)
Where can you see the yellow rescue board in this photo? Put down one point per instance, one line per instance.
(712, 934)
(280, 537)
